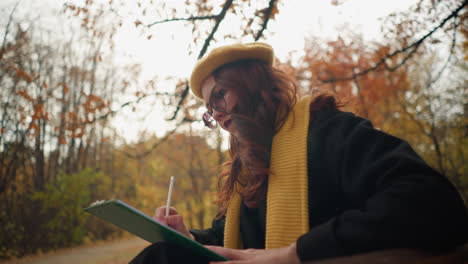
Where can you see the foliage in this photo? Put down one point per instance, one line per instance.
(63, 202)
(194, 164)
(422, 100)
(51, 218)
(59, 152)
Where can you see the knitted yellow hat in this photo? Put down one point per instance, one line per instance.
(224, 55)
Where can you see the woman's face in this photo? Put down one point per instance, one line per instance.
(220, 102)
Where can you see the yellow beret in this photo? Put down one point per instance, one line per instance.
(224, 55)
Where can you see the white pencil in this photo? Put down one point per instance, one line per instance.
(168, 204)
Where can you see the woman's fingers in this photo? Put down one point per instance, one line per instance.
(233, 254)
(176, 222)
(173, 220)
(160, 213)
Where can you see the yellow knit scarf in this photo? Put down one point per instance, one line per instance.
(287, 215)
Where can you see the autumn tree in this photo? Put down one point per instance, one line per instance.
(58, 96)
(191, 160)
(55, 93)
(412, 85)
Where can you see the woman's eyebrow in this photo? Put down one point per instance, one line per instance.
(215, 87)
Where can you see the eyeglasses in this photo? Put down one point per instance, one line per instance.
(216, 102)
(209, 120)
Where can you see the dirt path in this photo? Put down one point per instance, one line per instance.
(115, 252)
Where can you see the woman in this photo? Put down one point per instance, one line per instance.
(306, 181)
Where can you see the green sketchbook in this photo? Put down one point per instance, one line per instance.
(139, 224)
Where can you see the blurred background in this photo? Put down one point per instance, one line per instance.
(95, 104)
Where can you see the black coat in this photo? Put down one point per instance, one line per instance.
(368, 190)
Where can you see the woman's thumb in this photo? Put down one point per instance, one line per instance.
(176, 222)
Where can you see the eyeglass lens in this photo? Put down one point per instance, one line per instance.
(209, 121)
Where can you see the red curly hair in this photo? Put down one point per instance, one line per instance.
(266, 97)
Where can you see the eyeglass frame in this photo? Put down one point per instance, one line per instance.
(207, 117)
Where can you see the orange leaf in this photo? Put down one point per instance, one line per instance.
(34, 127)
(62, 140)
(25, 95)
(39, 112)
(274, 12)
(23, 75)
(72, 115)
(65, 88)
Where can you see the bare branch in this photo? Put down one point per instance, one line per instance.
(219, 19)
(268, 12)
(452, 51)
(10, 19)
(129, 103)
(403, 61)
(184, 19)
(154, 146)
(179, 104)
(413, 47)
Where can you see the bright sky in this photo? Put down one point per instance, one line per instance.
(296, 20)
(165, 54)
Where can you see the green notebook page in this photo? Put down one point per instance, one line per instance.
(139, 224)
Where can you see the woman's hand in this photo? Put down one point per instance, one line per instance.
(286, 255)
(173, 220)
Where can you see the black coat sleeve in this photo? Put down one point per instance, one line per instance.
(212, 236)
(393, 198)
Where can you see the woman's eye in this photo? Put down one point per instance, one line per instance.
(220, 94)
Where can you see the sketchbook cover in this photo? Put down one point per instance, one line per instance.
(134, 221)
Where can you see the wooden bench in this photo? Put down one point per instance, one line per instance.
(404, 256)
